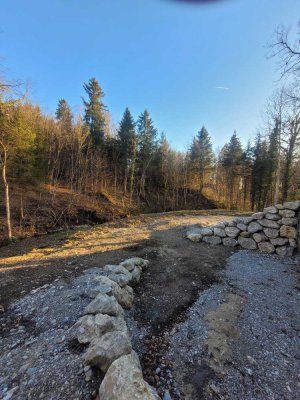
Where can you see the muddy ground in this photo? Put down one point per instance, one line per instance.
(184, 349)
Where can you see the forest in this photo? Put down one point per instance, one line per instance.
(55, 167)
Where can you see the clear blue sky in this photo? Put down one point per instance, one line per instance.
(162, 55)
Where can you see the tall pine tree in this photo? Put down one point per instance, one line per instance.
(94, 111)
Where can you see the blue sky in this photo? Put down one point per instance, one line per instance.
(162, 55)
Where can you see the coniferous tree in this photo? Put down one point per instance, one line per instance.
(232, 161)
(127, 139)
(202, 156)
(94, 111)
(64, 115)
(146, 146)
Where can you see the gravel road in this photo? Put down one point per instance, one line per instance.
(241, 337)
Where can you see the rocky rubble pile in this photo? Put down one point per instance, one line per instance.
(274, 230)
(104, 330)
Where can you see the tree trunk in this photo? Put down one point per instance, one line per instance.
(7, 202)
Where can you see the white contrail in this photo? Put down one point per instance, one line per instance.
(221, 87)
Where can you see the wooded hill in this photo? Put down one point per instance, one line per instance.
(61, 170)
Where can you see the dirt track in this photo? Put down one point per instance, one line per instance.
(189, 322)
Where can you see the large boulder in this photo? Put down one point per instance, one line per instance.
(118, 274)
(242, 227)
(195, 235)
(266, 223)
(108, 348)
(258, 215)
(104, 304)
(259, 237)
(287, 213)
(292, 205)
(279, 241)
(206, 231)
(271, 210)
(136, 275)
(266, 247)
(124, 381)
(288, 231)
(289, 221)
(123, 295)
(219, 232)
(133, 262)
(243, 220)
(254, 227)
(212, 240)
(232, 231)
(247, 243)
(90, 327)
(229, 242)
(272, 217)
(271, 233)
(285, 251)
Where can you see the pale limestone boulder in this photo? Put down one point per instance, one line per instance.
(292, 205)
(133, 262)
(287, 213)
(232, 223)
(271, 233)
(108, 348)
(206, 231)
(281, 250)
(279, 241)
(118, 274)
(232, 231)
(219, 232)
(123, 295)
(272, 217)
(266, 247)
(90, 327)
(271, 210)
(242, 227)
(195, 235)
(288, 231)
(124, 381)
(259, 237)
(258, 215)
(245, 234)
(136, 275)
(293, 243)
(214, 240)
(254, 227)
(266, 223)
(247, 243)
(243, 220)
(229, 242)
(289, 221)
(104, 304)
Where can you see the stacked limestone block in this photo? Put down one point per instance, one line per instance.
(274, 230)
(103, 329)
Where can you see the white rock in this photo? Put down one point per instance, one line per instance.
(219, 232)
(194, 235)
(206, 231)
(266, 247)
(247, 243)
(288, 231)
(104, 304)
(287, 213)
(292, 205)
(124, 381)
(272, 217)
(232, 231)
(108, 348)
(289, 221)
(254, 227)
(258, 215)
(271, 210)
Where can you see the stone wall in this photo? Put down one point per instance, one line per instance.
(274, 230)
(103, 329)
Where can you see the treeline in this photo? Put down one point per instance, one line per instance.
(87, 154)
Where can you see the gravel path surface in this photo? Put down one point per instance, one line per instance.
(241, 337)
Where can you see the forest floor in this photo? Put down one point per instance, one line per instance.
(201, 323)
